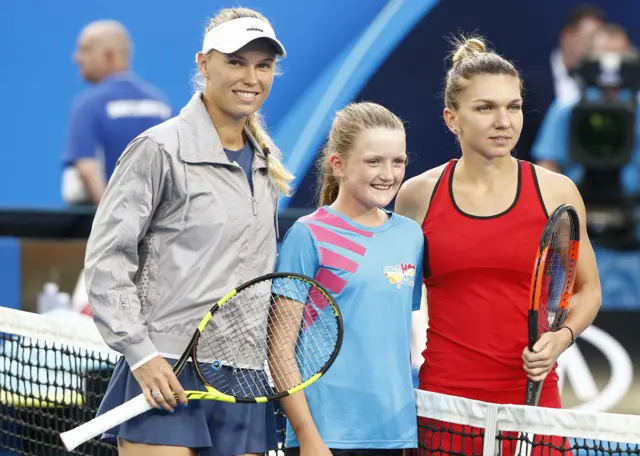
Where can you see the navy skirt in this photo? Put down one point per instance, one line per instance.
(212, 428)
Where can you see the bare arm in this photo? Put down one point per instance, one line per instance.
(413, 202)
(92, 177)
(587, 290)
(557, 189)
(299, 416)
(283, 334)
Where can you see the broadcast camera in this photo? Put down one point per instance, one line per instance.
(603, 141)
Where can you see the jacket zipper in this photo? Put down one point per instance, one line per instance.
(254, 203)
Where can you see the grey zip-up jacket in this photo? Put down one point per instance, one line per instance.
(177, 228)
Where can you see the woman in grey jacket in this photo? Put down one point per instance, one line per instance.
(189, 213)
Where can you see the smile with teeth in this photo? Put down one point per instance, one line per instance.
(381, 187)
(245, 95)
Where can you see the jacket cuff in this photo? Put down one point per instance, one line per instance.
(139, 353)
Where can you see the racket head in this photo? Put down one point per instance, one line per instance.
(266, 339)
(554, 272)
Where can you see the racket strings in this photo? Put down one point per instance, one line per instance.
(303, 311)
(267, 339)
(558, 271)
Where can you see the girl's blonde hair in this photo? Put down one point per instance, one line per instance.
(347, 124)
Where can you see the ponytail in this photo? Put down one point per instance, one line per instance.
(329, 191)
(330, 186)
(278, 173)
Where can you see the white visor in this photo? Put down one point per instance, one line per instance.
(231, 36)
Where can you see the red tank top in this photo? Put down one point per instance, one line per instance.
(478, 273)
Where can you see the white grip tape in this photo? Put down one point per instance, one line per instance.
(79, 435)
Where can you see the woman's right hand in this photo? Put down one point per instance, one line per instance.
(159, 383)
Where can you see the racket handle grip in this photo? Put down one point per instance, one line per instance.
(114, 417)
(533, 393)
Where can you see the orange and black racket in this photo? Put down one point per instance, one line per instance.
(552, 282)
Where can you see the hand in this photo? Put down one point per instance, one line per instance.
(539, 362)
(315, 447)
(156, 376)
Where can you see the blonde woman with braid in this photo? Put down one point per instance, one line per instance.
(189, 213)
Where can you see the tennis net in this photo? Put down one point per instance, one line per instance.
(54, 371)
(449, 425)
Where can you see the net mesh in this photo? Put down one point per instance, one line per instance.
(55, 370)
(451, 425)
(53, 374)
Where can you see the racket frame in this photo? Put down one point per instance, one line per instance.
(212, 393)
(138, 405)
(534, 389)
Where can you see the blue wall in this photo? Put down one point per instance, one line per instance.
(395, 50)
(409, 81)
(39, 80)
(389, 51)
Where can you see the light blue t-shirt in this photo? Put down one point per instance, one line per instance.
(365, 400)
(552, 143)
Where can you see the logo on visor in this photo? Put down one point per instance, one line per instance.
(255, 29)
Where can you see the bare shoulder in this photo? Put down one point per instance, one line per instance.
(415, 194)
(557, 189)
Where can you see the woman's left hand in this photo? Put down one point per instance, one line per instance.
(539, 362)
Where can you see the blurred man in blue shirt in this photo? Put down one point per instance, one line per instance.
(106, 117)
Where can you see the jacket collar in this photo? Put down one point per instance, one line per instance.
(199, 140)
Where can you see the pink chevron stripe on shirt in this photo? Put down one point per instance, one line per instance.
(319, 301)
(326, 217)
(323, 234)
(332, 259)
(330, 281)
(318, 298)
(310, 315)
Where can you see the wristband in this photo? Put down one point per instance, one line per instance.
(571, 331)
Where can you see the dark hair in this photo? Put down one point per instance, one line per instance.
(346, 125)
(471, 58)
(581, 12)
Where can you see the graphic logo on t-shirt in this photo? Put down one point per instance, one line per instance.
(400, 274)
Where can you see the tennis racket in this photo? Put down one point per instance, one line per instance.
(273, 336)
(552, 282)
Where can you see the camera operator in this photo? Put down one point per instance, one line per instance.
(593, 139)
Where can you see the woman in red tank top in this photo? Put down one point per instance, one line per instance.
(482, 218)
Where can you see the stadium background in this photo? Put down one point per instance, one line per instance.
(389, 51)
